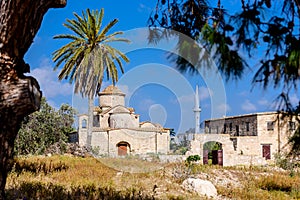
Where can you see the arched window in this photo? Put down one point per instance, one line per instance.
(83, 123)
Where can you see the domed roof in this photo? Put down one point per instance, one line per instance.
(111, 89)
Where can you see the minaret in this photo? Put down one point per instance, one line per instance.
(197, 111)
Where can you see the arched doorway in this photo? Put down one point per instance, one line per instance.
(213, 153)
(123, 148)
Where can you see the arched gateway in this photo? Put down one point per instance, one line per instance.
(123, 148)
(218, 155)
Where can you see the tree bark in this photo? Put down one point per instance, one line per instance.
(19, 95)
(90, 122)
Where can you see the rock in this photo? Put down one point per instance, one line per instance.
(119, 173)
(202, 187)
(70, 148)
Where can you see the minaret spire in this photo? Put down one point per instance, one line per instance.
(197, 111)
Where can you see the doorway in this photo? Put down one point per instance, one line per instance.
(123, 148)
(266, 151)
(213, 153)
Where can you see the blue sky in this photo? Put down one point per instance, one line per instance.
(153, 86)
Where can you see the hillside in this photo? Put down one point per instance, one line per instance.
(67, 177)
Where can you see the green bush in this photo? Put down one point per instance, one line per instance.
(193, 158)
(44, 128)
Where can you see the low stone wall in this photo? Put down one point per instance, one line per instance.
(246, 160)
(171, 158)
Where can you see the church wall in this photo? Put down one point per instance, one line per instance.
(100, 142)
(122, 120)
(140, 142)
(135, 120)
(82, 137)
(104, 121)
(163, 142)
(82, 129)
(145, 145)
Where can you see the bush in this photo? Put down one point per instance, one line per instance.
(193, 158)
(44, 128)
(279, 183)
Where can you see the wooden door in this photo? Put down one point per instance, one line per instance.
(122, 149)
(217, 157)
(205, 157)
(220, 157)
(266, 151)
(214, 157)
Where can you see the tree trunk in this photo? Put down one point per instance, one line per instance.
(19, 95)
(90, 121)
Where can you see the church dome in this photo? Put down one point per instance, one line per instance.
(111, 89)
(110, 97)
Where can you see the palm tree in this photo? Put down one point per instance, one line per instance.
(88, 56)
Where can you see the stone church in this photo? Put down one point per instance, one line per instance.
(117, 130)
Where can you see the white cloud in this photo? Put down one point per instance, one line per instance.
(48, 80)
(248, 106)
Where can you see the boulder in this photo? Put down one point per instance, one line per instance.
(202, 187)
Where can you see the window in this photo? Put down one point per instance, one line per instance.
(217, 129)
(237, 130)
(270, 126)
(292, 126)
(224, 128)
(96, 121)
(230, 127)
(83, 123)
(247, 126)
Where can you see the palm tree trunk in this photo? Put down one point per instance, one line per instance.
(19, 95)
(90, 122)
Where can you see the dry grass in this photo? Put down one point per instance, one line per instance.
(90, 178)
(131, 165)
(66, 177)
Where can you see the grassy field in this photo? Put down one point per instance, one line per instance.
(67, 177)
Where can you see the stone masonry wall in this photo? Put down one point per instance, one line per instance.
(235, 126)
(140, 142)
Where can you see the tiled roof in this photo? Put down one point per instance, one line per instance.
(111, 89)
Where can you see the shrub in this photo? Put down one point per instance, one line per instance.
(38, 166)
(279, 183)
(193, 158)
